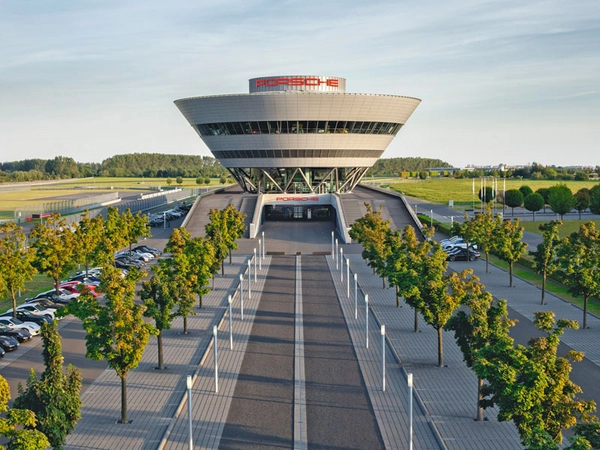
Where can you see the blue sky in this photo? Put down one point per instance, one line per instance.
(500, 81)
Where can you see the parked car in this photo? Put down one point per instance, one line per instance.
(2, 352)
(460, 254)
(458, 243)
(37, 310)
(62, 297)
(86, 279)
(45, 302)
(145, 248)
(19, 335)
(16, 324)
(26, 316)
(75, 286)
(8, 343)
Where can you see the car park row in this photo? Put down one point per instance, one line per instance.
(157, 219)
(20, 326)
(459, 250)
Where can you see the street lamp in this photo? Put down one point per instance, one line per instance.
(189, 388)
(410, 408)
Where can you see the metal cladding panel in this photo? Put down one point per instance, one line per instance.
(298, 162)
(291, 105)
(298, 141)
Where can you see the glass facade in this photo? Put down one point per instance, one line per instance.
(298, 126)
(297, 153)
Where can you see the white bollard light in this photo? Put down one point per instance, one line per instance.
(255, 274)
(216, 360)
(366, 320)
(230, 324)
(410, 411)
(249, 279)
(242, 296)
(347, 278)
(355, 296)
(383, 355)
(341, 264)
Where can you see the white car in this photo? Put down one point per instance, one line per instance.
(456, 243)
(36, 310)
(16, 324)
(63, 294)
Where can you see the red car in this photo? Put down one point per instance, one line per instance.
(74, 286)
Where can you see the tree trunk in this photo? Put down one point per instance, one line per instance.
(397, 297)
(223, 268)
(185, 328)
(200, 301)
(161, 365)
(510, 272)
(383, 278)
(124, 418)
(487, 262)
(543, 286)
(416, 320)
(440, 348)
(213, 282)
(229, 256)
(479, 408)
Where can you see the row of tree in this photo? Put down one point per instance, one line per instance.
(529, 384)
(560, 199)
(148, 165)
(115, 327)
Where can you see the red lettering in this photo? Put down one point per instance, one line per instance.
(284, 81)
(312, 79)
(260, 82)
(333, 82)
(297, 81)
(270, 82)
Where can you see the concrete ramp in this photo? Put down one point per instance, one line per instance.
(247, 206)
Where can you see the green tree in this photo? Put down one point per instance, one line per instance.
(54, 398)
(561, 199)
(513, 198)
(199, 181)
(202, 255)
(509, 245)
(582, 200)
(234, 222)
(15, 261)
(525, 190)
(112, 237)
(579, 257)
(441, 294)
(531, 385)
(88, 235)
(134, 227)
(207, 181)
(487, 194)
(179, 180)
(115, 330)
(545, 258)
(595, 199)
(178, 269)
(216, 232)
(160, 305)
(533, 202)
(372, 232)
(482, 324)
(544, 193)
(169, 181)
(54, 244)
(18, 425)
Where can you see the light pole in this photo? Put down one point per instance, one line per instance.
(410, 408)
(355, 296)
(230, 324)
(347, 278)
(366, 320)
(249, 279)
(255, 275)
(216, 360)
(341, 264)
(259, 257)
(383, 355)
(189, 388)
(263, 243)
(336, 252)
(242, 295)
(332, 236)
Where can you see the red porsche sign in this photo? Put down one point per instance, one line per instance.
(296, 81)
(297, 199)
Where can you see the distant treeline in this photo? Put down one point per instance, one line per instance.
(130, 165)
(391, 167)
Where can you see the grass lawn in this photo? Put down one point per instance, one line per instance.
(11, 200)
(551, 285)
(40, 283)
(440, 190)
(568, 226)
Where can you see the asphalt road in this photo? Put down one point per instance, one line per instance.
(338, 410)
(261, 411)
